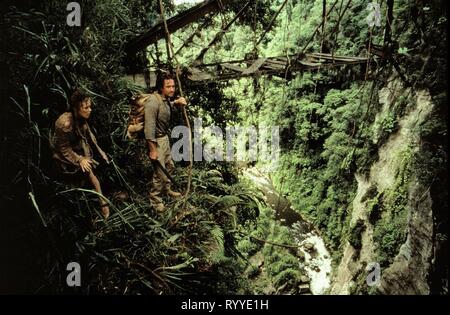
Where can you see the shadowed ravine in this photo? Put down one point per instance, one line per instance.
(317, 261)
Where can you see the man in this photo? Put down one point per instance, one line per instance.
(73, 144)
(158, 110)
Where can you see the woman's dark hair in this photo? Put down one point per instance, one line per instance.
(77, 98)
(161, 78)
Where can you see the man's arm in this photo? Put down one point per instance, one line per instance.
(181, 101)
(153, 153)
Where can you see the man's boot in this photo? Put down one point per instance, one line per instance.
(105, 211)
(159, 207)
(173, 194)
(156, 202)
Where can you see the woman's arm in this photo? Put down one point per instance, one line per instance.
(62, 142)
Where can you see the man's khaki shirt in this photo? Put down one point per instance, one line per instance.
(157, 117)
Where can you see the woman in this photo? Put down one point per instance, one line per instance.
(73, 145)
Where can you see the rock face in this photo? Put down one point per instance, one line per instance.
(408, 272)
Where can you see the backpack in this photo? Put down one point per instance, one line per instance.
(135, 128)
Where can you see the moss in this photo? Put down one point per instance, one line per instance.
(253, 271)
(371, 192)
(359, 285)
(374, 208)
(401, 105)
(289, 279)
(389, 235)
(384, 127)
(354, 237)
(247, 247)
(390, 231)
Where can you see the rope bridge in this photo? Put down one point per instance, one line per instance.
(277, 66)
(283, 66)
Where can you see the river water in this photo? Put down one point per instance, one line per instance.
(317, 260)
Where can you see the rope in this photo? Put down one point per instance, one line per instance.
(185, 115)
(324, 24)
(336, 28)
(224, 19)
(284, 98)
(324, 18)
(334, 31)
(389, 18)
(191, 38)
(221, 6)
(355, 133)
(255, 44)
(271, 22)
(368, 55)
(316, 30)
(220, 34)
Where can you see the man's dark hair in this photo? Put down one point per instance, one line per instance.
(160, 80)
(77, 98)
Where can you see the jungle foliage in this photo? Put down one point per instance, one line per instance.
(188, 249)
(328, 127)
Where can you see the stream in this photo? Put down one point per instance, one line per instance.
(317, 262)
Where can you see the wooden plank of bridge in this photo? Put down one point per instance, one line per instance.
(310, 64)
(278, 61)
(273, 66)
(198, 75)
(255, 66)
(275, 63)
(330, 57)
(232, 67)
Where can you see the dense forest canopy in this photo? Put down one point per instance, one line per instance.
(336, 126)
